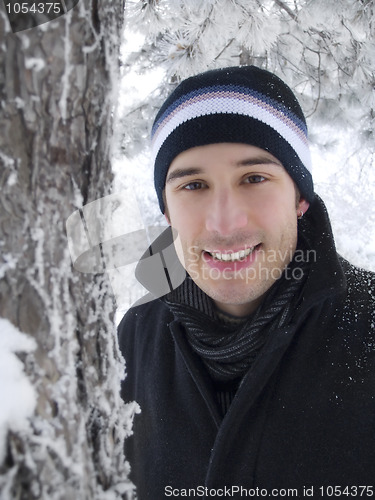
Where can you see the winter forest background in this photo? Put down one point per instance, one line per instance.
(78, 96)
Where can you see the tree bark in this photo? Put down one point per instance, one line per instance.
(57, 85)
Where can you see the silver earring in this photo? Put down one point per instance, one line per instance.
(300, 214)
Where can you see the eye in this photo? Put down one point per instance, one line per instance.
(254, 179)
(193, 186)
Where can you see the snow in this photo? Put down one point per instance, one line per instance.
(10, 262)
(7, 160)
(17, 395)
(34, 63)
(67, 67)
(347, 186)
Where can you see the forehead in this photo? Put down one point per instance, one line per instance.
(222, 154)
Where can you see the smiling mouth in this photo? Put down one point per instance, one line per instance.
(232, 256)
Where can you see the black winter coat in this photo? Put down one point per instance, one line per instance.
(303, 417)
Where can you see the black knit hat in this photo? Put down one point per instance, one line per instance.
(238, 104)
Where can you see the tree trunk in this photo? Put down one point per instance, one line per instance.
(57, 90)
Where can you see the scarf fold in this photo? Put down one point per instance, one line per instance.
(229, 348)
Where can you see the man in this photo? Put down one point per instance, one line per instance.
(256, 375)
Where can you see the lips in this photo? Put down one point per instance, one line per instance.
(226, 260)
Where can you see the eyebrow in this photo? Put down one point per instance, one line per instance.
(261, 160)
(183, 172)
(179, 173)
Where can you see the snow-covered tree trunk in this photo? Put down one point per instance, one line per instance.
(62, 422)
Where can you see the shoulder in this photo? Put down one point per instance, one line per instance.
(144, 339)
(142, 323)
(144, 311)
(360, 282)
(357, 316)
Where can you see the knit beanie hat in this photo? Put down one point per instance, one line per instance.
(237, 104)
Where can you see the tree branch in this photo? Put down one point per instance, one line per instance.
(287, 9)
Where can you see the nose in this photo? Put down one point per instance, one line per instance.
(226, 214)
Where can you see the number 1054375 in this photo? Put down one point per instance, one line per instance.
(34, 8)
(346, 491)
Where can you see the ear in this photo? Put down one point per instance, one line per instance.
(302, 206)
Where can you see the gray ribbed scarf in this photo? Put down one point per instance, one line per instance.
(228, 350)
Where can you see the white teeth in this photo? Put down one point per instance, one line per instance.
(232, 256)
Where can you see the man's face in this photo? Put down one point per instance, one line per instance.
(234, 208)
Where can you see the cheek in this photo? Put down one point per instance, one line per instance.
(186, 228)
(180, 250)
(186, 220)
(274, 212)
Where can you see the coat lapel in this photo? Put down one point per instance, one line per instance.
(197, 371)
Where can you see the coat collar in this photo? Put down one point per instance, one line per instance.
(326, 277)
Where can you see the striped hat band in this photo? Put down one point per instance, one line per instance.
(235, 101)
